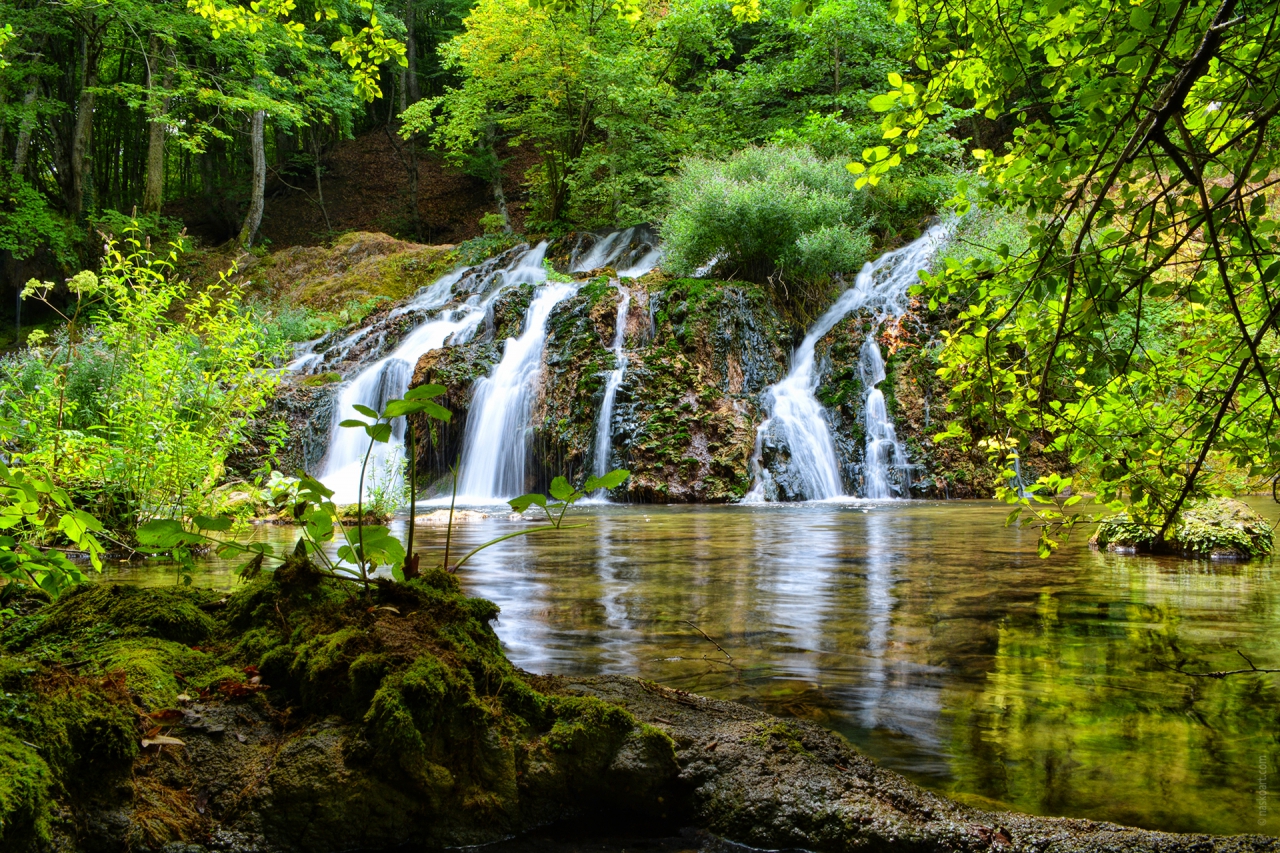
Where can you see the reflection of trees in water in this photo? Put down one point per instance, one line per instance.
(1079, 712)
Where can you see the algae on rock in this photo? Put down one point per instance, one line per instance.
(1214, 527)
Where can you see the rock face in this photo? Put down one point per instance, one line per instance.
(700, 353)
(699, 356)
(1218, 528)
(142, 720)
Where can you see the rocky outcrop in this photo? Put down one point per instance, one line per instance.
(700, 353)
(1218, 528)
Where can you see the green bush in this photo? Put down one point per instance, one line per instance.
(134, 405)
(767, 213)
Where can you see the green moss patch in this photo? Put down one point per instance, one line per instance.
(24, 793)
(1218, 527)
(416, 698)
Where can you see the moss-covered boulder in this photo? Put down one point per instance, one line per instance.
(1219, 528)
(298, 714)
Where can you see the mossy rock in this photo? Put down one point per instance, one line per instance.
(414, 723)
(24, 794)
(1216, 528)
(100, 612)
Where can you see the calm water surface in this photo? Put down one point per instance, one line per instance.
(927, 634)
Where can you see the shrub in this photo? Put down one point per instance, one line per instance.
(127, 407)
(766, 213)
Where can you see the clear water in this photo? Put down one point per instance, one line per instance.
(926, 633)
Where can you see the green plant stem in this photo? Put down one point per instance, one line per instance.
(448, 530)
(413, 492)
(364, 575)
(479, 548)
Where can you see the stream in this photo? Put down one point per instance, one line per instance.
(927, 634)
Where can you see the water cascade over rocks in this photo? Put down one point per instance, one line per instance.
(798, 422)
(387, 376)
(604, 422)
(497, 440)
(631, 252)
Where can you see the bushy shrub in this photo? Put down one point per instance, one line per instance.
(134, 405)
(766, 213)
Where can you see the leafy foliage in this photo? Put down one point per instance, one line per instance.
(37, 520)
(128, 405)
(767, 213)
(1135, 336)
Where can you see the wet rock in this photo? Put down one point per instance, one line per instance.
(1218, 528)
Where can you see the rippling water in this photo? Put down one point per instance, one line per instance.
(926, 633)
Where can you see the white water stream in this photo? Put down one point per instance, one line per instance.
(604, 421)
(800, 422)
(388, 377)
(631, 252)
(495, 448)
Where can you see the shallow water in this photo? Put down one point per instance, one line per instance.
(926, 633)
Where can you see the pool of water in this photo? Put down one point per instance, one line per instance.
(925, 632)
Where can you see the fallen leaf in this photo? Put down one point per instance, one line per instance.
(162, 740)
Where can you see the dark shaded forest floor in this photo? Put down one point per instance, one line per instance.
(367, 187)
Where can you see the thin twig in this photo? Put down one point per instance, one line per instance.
(1223, 673)
(708, 638)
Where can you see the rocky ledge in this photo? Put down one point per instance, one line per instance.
(1216, 528)
(299, 716)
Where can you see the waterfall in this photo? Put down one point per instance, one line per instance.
(632, 253)
(497, 438)
(604, 422)
(389, 376)
(884, 451)
(800, 422)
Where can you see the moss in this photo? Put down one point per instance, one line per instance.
(97, 612)
(157, 671)
(1218, 527)
(411, 683)
(779, 735)
(24, 794)
(585, 723)
(322, 379)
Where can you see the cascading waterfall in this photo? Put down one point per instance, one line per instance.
(796, 418)
(604, 422)
(495, 447)
(631, 252)
(884, 451)
(388, 377)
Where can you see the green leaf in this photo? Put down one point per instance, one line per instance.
(523, 502)
(561, 490)
(379, 432)
(424, 391)
(352, 422)
(365, 410)
(164, 534)
(883, 103)
(310, 488)
(219, 523)
(611, 480)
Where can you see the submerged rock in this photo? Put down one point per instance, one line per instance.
(1219, 528)
(299, 716)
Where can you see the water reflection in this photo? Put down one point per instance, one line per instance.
(929, 635)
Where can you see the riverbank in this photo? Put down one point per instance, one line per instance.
(297, 716)
(925, 633)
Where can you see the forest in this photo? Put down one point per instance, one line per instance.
(809, 425)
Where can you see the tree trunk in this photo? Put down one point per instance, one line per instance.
(495, 178)
(254, 217)
(82, 139)
(153, 192)
(411, 53)
(24, 129)
(317, 149)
